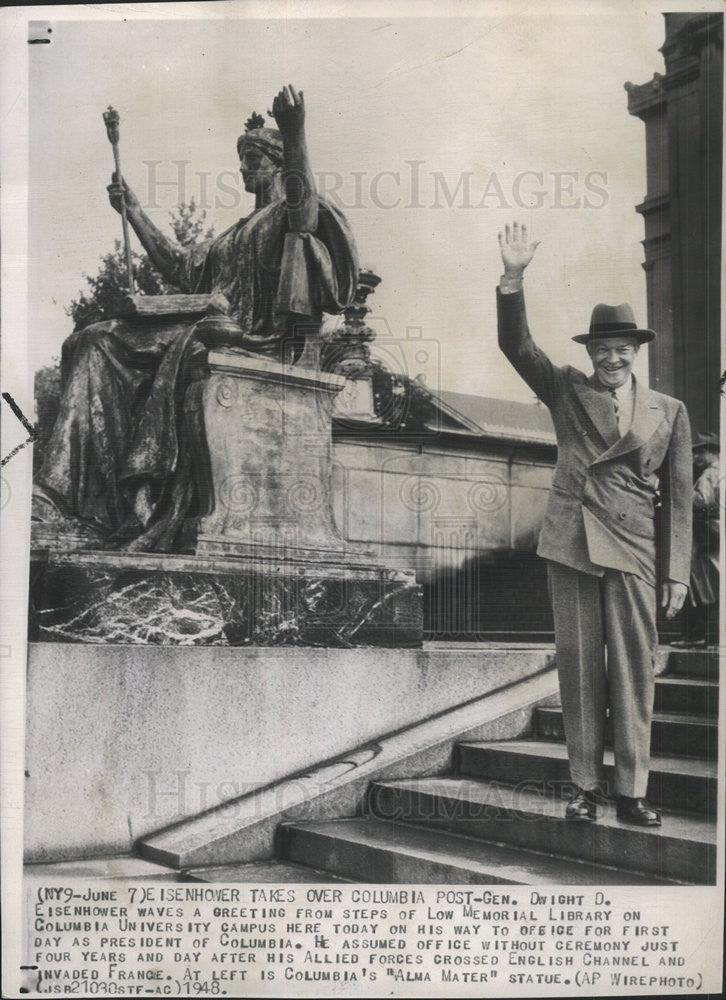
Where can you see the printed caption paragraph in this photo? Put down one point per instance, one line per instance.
(186, 940)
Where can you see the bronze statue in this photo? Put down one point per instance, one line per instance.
(127, 463)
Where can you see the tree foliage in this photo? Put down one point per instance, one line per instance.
(188, 224)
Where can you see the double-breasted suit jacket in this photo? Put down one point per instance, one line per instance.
(600, 535)
(601, 512)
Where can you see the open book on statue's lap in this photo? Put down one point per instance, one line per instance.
(174, 305)
(214, 328)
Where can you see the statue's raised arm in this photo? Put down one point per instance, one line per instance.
(288, 109)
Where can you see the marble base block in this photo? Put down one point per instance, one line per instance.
(140, 598)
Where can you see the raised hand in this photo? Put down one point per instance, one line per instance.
(301, 196)
(288, 109)
(516, 250)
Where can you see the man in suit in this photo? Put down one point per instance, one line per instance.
(623, 451)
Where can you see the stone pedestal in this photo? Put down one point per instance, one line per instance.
(270, 566)
(268, 431)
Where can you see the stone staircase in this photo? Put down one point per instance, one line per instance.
(499, 816)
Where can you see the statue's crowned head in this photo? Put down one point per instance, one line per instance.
(266, 140)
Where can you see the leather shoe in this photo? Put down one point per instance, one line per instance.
(582, 806)
(637, 812)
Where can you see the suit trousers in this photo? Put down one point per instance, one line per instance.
(605, 642)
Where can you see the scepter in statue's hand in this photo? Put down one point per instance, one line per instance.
(111, 119)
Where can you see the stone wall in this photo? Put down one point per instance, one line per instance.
(124, 740)
(431, 507)
(465, 517)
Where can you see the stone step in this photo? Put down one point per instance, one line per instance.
(672, 734)
(261, 871)
(682, 849)
(680, 784)
(366, 849)
(243, 830)
(701, 663)
(690, 695)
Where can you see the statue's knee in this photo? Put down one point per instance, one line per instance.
(93, 335)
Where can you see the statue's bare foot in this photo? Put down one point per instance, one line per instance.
(140, 544)
(52, 527)
(44, 507)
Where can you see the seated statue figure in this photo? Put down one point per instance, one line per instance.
(127, 464)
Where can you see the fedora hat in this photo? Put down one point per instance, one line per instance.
(709, 440)
(613, 321)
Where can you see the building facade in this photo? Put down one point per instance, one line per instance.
(683, 114)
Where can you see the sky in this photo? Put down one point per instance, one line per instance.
(430, 133)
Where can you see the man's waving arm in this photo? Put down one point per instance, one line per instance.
(515, 339)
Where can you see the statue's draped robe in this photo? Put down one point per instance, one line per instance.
(130, 411)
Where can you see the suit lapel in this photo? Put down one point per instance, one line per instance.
(599, 407)
(647, 415)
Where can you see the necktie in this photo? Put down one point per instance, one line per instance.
(616, 406)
